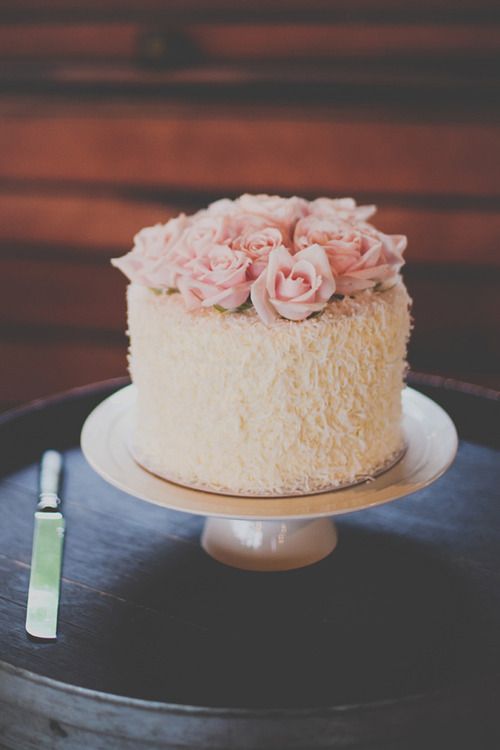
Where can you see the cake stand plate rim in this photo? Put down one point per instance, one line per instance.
(431, 445)
(224, 493)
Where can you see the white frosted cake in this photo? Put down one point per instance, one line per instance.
(267, 346)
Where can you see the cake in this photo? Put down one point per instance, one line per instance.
(267, 346)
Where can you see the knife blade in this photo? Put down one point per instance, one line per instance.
(46, 557)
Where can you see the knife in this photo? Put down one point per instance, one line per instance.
(46, 557)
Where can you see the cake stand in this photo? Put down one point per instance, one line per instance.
(271, 533)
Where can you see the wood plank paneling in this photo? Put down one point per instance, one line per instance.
(456, 314)
(263, 8)
(49, 293)
(252, 41)
(32, 367)
(456, 235)
(305, 41)
(438, 89)
(85, 225)
(68, 41)
(197, 149)
(92, 225)
(230, 42)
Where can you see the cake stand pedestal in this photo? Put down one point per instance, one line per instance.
(268, 545)
(271, 533)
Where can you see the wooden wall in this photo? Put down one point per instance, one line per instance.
(115, 115)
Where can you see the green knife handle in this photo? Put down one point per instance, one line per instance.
(50, 477)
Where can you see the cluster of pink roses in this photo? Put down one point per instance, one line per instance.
(287, 256)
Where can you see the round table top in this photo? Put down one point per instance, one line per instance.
(407, 606)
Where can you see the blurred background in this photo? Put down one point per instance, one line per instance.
(115, 115)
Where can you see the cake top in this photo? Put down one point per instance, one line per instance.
(286, 257)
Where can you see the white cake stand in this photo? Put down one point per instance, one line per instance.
(277, 533)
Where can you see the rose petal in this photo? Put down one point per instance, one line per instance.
(193, 292)
(226, 277)
(370, 258)
(289, 288)
(228, 298)
(131, 267)
(260, 300)
(317, 256)
(394, 246)
(280, 260)
(296, 310)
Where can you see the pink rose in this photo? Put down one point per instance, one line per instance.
(224, 206)
(241, 223)
(276, 211)
(203, 233)
(360, 256)
(341, 208)
(154, 260)
(217, 255)
(257, 244)
(393, 245)
(217, 278)
(293, 286)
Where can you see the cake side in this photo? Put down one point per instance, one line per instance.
(230, 404)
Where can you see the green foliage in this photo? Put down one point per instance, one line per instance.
(242, 308)
(159, 292)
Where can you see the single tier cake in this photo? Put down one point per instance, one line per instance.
(267, 345)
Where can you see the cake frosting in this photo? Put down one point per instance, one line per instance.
(267, 346)
(225, 402)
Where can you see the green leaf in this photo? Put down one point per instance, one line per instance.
(338, 297)
(315, 314)
(170, 290)
(242, 308)
(245, 306)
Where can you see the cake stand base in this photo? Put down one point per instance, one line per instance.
(268, 545)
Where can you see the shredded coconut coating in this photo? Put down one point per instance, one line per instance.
(229, 404)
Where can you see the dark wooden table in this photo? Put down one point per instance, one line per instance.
(393, 642)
